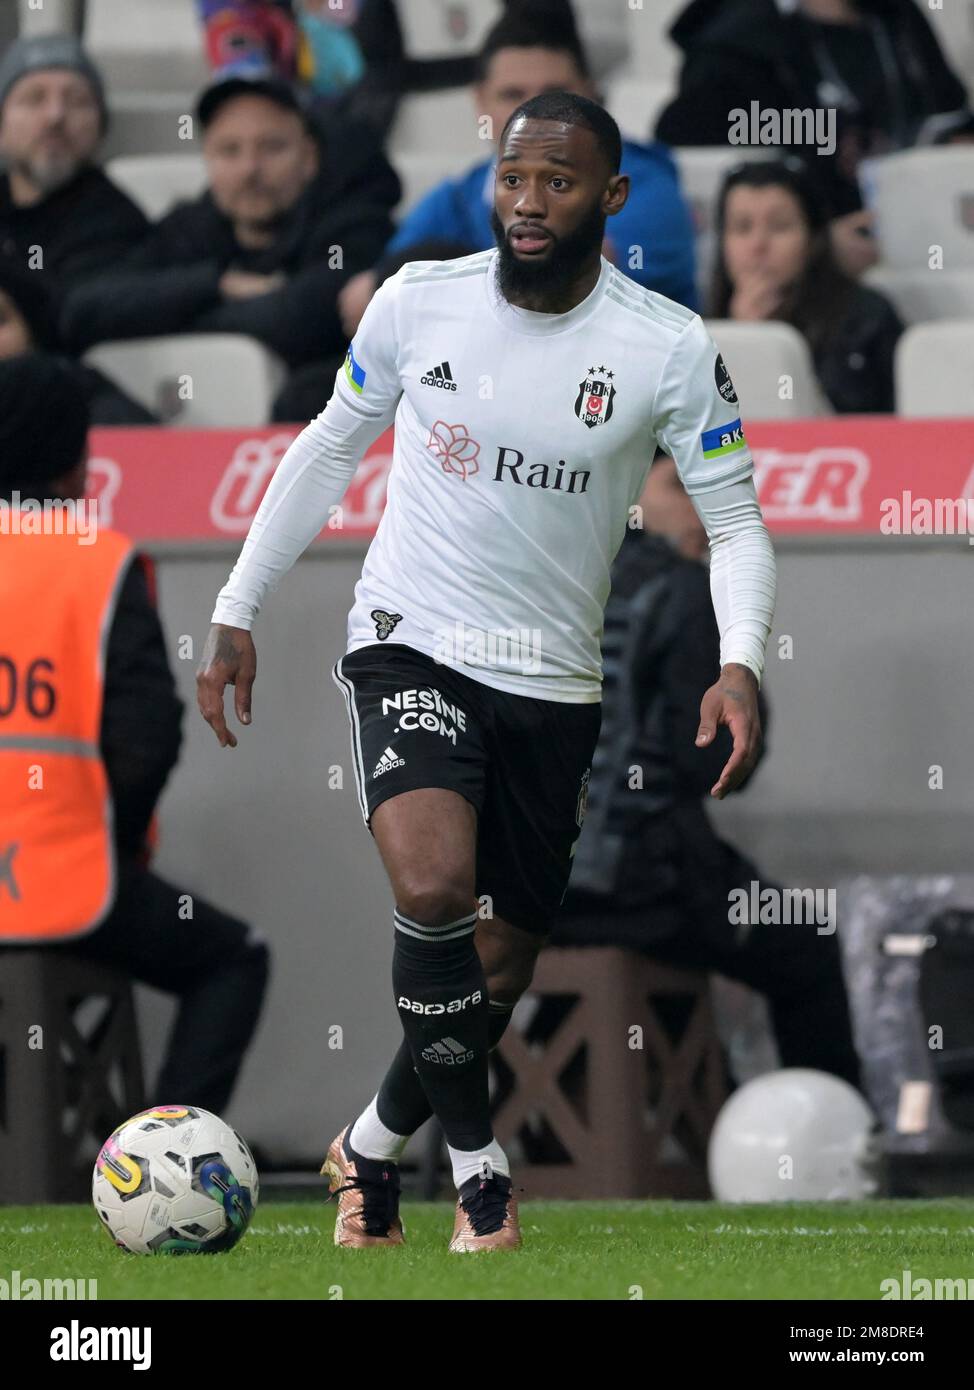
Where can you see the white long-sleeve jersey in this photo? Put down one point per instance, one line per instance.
(522, 442)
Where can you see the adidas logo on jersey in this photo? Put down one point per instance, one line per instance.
(447, 1052)
(387, 762)
(440, 376)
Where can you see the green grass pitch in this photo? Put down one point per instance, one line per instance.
(572, 1250)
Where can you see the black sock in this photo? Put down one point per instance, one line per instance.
(441, 997)
(402, 1104)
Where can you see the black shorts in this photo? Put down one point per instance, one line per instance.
(523, 763)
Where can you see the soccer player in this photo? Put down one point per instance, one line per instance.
(530, 387)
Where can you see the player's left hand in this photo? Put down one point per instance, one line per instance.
(733, 701)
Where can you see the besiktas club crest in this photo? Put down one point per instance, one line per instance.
(595, 396)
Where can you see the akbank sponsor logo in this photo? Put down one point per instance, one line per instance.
(723, 439)
(425, 709)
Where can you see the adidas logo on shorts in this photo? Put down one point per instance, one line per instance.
(448, 1052)
(387, 762)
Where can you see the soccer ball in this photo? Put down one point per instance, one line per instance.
(175, 1179)
(793, 1135)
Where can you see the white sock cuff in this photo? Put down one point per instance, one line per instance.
(372, 1139)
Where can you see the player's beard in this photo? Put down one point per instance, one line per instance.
(559, 268)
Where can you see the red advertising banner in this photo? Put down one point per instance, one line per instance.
(842, 475)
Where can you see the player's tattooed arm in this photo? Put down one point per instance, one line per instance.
(732, 700)
(229, 658)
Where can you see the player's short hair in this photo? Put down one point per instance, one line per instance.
(540, 24)
(574, 110)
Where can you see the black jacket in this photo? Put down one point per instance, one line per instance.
(855, 363)
(739, 51)
(141, 729)
(170, 284)
(82, 228)
(641, 844)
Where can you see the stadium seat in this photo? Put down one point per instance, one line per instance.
(934, 369)
(146, 45)
(635, 103)
(652, 53)
(158, 181)
(442, 121)
(922, 295)
(233, 378)
(924, 198)
(419, 172)
(766, 360)
(65, 1093)
(53, 17)
(953, 24)
(432, 30)
(629, 1105)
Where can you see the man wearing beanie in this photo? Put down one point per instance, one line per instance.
(95, 713)
(59, 214)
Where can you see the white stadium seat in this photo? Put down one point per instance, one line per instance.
(233, 378)
(934, 369)
(158, 181)
(652, 54)
(146, 45)
(52, 17)
(420, 171)
(924, 198)
(433, 29)
(635, 103)
(922, 295)
(445, 122)
(953, 24)
(457, 28)
(758, 357)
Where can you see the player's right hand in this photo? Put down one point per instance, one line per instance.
(229, 658)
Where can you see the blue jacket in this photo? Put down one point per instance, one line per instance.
(656, 219)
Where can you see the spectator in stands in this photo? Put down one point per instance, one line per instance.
(877, 63)
(287, 218)
(775, 261)
(75, 858)
(28, 323)
(60, 216)
(524, 55)
(649, 872)
(350, 57)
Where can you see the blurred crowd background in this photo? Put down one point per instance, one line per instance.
(216, 187)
